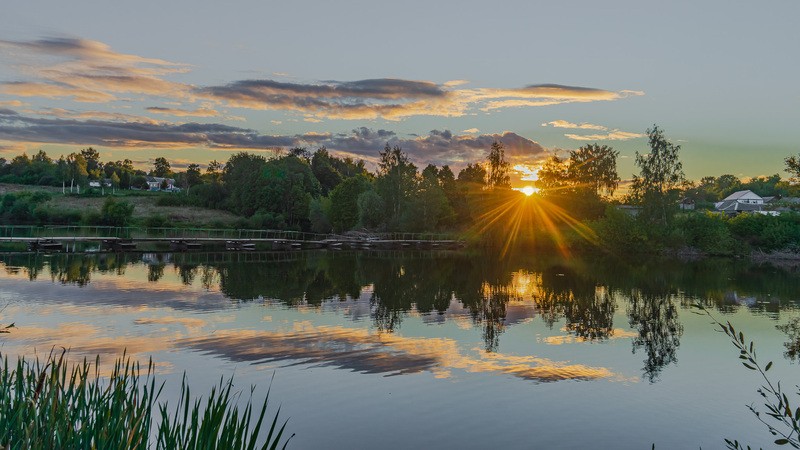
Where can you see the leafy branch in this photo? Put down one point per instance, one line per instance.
(781, 420)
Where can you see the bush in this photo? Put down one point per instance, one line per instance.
(116, 213)
(620, 232)
(707, 232)
(155, 221)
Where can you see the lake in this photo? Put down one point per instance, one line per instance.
(431, 349)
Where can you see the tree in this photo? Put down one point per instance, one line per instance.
(371, 209)
(93, 165)
(285, 190)
(193, 176)
(76, 169)
(321, 165)
(473, 174)
(242, 178)
(793, 166)
(552, 175)
(429, 206)
(498, 168)
(214, 171)
(116, 213)
(661, 174)
(594, 167)
(161, 167)
(396, 182)
(344, 203)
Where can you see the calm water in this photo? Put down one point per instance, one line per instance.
(421, 350)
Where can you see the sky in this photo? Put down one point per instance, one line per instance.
(197, 80)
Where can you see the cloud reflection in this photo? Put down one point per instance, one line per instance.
(389, 354)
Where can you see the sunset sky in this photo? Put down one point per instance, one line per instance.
(195, 81)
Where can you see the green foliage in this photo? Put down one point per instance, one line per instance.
(593, 168)
(31, 208)
(429, 207)
(286, 188)
(497, 176)
(161, 168)
(707, 232)
(242, 176)
(655, 188)
(156, 221)
(396, 183)
(344, 203)
(318, 213)
(779, 417)
(619, 232)
(371, 209)
(48, 405)
(116, 213)
(768, 233)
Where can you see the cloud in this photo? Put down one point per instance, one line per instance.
(88, 71)
(471, 130)
(613, 135)
(580, 126)
(102, 115)
(388, 354)
(393, 99)
(437, 147)
(199, 112)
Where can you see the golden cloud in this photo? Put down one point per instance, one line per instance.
(614, 135)
(580, 126)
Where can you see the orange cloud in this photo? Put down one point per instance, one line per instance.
(614, 135)
(580, 126)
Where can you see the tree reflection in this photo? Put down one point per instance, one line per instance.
(655, 318)
(582, 295)
(792, 330)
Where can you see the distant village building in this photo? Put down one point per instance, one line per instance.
(630, 209)
(105, 182)
(745, 201)
(687, 204)
(161, 184)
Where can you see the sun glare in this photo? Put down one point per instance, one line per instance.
(528, 190)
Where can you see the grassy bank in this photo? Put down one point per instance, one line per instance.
(53, 404)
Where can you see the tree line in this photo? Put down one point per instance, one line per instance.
(321, 192)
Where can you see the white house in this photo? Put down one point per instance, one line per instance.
(742, 201)
(155, 184)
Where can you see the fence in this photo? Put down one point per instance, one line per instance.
(66, 231)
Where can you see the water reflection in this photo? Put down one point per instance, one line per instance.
(580, 296)
(792, 345)
(381, 353)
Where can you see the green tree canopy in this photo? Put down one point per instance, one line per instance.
(661, 174)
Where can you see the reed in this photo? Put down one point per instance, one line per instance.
(52, 404)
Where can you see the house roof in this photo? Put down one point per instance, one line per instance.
(735, 206)
(740, 195)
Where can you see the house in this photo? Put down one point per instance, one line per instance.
(630, 209)
(105, 182)
(744, 201)
(157, 183)
(687, 204)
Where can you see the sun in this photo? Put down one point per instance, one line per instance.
(528, 190)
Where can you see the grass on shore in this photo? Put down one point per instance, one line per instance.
(52, 404)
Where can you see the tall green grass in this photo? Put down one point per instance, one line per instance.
(51, 404)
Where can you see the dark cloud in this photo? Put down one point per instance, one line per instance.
(437, 147)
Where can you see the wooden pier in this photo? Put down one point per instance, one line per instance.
(67, 238)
